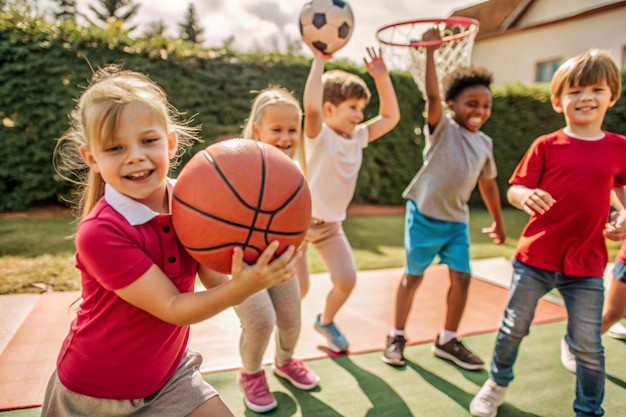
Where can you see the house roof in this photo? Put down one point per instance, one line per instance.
(497, 17)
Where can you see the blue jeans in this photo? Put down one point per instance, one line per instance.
(583, 298)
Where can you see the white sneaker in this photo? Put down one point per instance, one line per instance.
(617, 331)
(567, 357)
(488, 399)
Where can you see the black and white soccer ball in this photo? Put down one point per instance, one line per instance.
(326, 24)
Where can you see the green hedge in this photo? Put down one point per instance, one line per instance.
(43, 68)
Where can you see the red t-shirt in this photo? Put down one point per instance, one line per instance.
(115, 350)
(579, 175)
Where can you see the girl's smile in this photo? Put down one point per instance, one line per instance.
(136, 160)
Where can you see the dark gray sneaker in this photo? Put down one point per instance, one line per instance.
(455, 351)
(393, 354)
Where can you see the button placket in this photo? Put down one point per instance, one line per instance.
(171, 264)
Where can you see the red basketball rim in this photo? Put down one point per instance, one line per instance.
(453, 20)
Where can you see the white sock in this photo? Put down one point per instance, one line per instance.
(253, 372)
(396, 332)
(446, 335)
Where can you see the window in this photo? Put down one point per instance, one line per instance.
(545, 70)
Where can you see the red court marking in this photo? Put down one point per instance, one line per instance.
(30, 357)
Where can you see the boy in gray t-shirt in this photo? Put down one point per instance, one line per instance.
(457, 156)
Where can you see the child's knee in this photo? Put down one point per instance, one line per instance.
(460, 279)
(290, 322)
(259, 324)
(411, 281)
(589, 355)
(345, 283)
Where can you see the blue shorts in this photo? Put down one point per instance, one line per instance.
(425, 238)
(619, 271)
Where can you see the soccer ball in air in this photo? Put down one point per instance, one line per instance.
(326, 24)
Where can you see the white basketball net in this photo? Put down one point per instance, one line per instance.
(454, 51)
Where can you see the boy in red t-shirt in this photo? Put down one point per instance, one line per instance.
(564, 182)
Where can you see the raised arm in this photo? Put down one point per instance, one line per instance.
(312, 99)
(388, 110)
(431, 83)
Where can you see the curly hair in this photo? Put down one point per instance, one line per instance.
(463, 77)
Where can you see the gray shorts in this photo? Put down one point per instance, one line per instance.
(619, 271)
(185, 391)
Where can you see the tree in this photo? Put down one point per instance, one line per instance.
(294, 46)
(228, 42)
(112, 11)
(66, 10)
(154, 28)
(190, 28)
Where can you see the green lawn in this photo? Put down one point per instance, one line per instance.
(29, 237)
(37, 252)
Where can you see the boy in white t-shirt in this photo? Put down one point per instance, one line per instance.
(334, 140)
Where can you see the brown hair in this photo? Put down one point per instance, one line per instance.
(340, 86)
(591, 67)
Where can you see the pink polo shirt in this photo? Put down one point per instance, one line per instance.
(115, 350)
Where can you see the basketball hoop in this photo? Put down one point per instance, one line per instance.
(403, 48)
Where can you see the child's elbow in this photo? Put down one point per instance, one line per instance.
(433, 97)
(511, 196)
(311, 110)
(392, 120)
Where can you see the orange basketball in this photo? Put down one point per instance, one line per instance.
(239, 192)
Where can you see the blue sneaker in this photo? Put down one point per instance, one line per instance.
(336, 341)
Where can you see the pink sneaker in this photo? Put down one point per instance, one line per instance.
(299, 375)
(257, 395)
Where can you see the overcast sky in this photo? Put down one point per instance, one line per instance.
(261, 24)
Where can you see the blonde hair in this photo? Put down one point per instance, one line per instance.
(591, 67)
(94, 120)
(340, 85)
(269, 97)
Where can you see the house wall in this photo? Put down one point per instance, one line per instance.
(514, 56)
